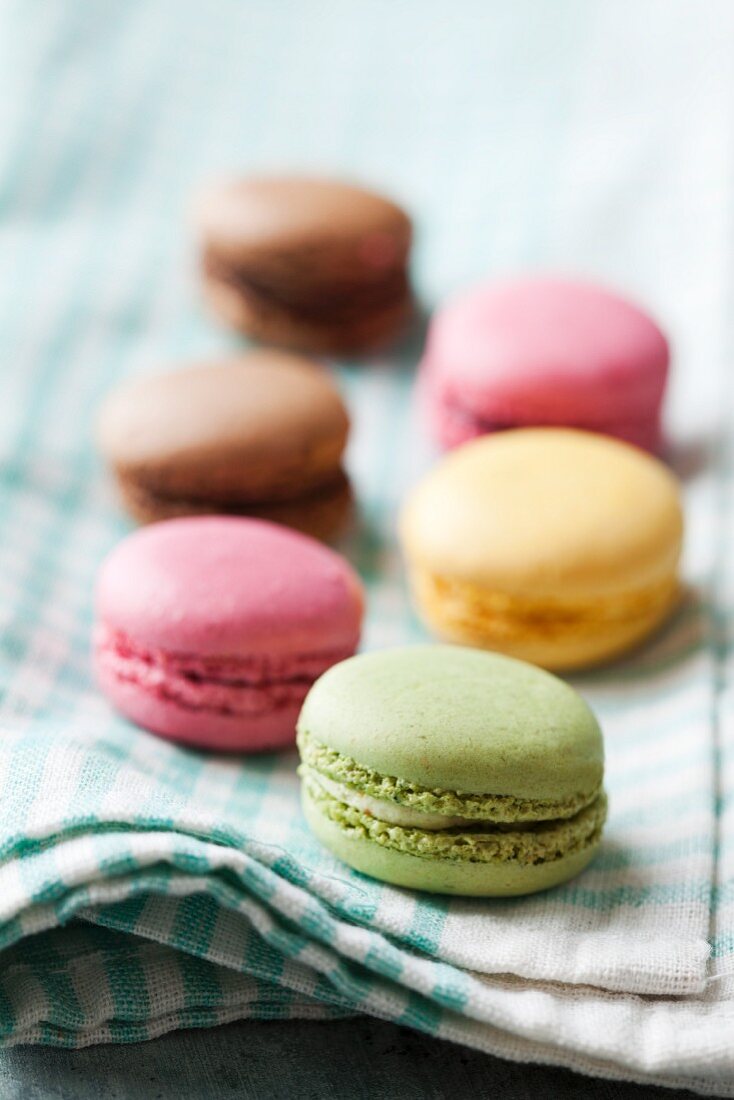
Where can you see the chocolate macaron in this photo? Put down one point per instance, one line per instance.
(306, 263)
(261, 434)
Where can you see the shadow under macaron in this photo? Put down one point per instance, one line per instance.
(691, 458)
(685, 632)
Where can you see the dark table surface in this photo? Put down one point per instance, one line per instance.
(354, 1059)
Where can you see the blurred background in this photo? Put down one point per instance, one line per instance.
(578, 136)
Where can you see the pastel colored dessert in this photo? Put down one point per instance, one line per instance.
(261, 434)
(452, 770)
(556, 546)
(544, 352)
(210, 630)
(308, 263)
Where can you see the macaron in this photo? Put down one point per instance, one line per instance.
(452, 770)
(544, 352)
(308, 263)
(552, 545)
(261, 434)
(210, 630)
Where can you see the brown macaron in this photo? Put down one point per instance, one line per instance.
(306, 263)
(261, 434)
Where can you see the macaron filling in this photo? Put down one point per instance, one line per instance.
(462, 423)
(344, 779)
(487, 841)
(145, 500)
(382, 808)
(307, 297)
(470, 606)
(220, 684)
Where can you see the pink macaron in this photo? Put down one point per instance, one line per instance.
(544, 351)
(211, 630)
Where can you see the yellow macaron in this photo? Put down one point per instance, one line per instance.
(556, 546)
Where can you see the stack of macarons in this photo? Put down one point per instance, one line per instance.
(550, 535)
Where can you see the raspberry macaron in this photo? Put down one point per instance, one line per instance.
(210, 630)
(544, 352)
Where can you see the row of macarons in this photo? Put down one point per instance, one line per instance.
(442, 768)
(554, 545)
(288, 261)
(561, 547)
(551, 545)
(269, 441)
(321, 266)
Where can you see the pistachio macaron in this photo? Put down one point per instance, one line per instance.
(452, 770)
(559, 547)
(260, 434)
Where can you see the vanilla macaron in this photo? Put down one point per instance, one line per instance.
(556, 546)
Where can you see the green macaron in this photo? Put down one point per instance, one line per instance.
(452, 770)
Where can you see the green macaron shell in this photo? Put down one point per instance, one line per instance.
(447, 719)
(498, 878)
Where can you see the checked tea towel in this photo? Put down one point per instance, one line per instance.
(145, 887)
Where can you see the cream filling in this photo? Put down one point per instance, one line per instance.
(390, 812)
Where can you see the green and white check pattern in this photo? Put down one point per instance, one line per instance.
(144, 887)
